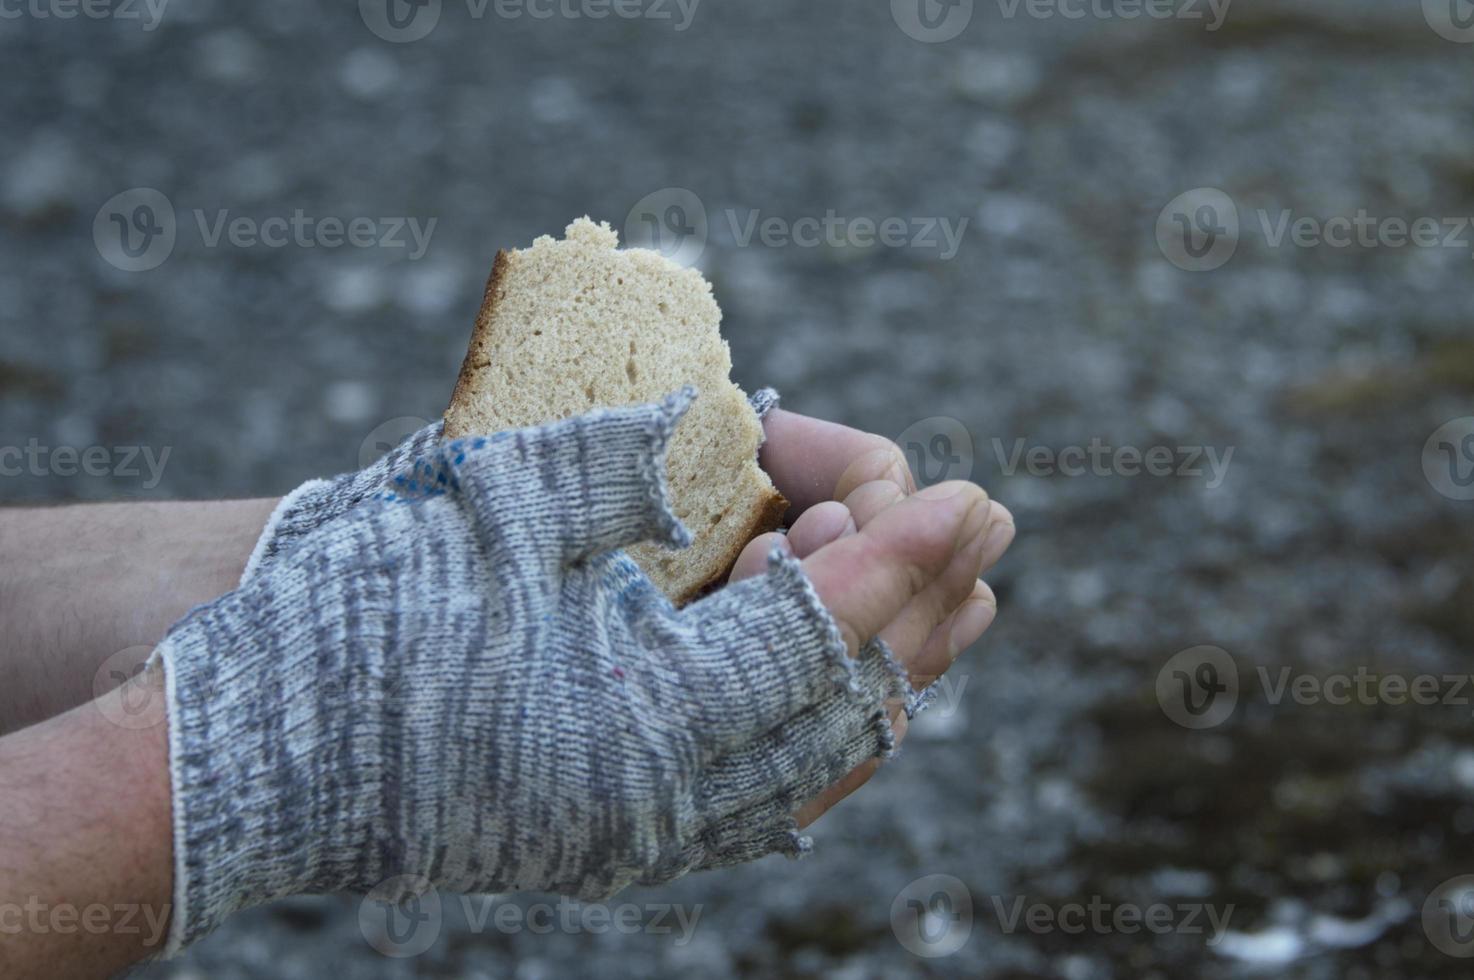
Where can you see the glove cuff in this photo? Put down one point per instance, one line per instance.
(763, 401)
(260, 809)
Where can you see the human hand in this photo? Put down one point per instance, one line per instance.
(471, 685)
(838, 480)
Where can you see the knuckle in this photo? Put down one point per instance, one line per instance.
(916, 574)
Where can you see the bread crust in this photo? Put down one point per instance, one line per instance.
(768, 517)
(462, 394)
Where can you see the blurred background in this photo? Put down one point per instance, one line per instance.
(1134, 265)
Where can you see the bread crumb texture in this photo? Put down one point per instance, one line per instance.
(573, 324)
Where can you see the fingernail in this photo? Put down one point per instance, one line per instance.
(999, 537)
(849, 528)
(975, 616)
(974, 530)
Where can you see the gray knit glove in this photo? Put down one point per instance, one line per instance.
(317, 501)
(464, 682)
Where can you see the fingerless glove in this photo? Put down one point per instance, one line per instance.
(462, 679)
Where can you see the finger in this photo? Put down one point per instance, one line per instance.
(922, 641)
(818, 526)
(815, 528)
(869, 499)
(1000, 536)
(907, 633)
(954, 634)
(884, 462)
(934, 654)
(850, 782)
(753, 559)
(807, 458)
(866, 579)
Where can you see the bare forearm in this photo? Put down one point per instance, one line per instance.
(86, 854)
(80, 583)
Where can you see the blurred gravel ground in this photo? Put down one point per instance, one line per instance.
(1049, 771)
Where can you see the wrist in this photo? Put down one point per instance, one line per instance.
(60, 853)
(86, 582)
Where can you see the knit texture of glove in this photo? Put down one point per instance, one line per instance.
(465, 682)
(317, 501)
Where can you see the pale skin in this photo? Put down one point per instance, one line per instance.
(84, 801)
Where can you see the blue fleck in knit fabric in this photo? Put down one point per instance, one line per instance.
(317, 501)
(462, 679)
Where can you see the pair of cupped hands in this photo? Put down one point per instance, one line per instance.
(557, 725)
(889, 561)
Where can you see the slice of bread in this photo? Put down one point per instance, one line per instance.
(569, 325)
